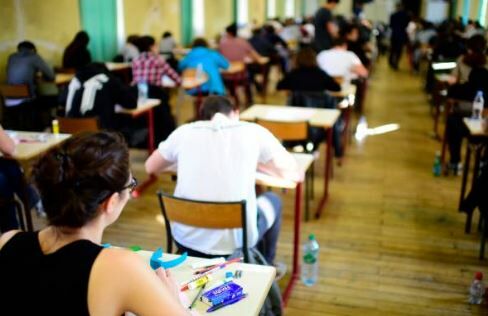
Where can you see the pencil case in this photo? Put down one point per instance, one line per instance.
(222, 293)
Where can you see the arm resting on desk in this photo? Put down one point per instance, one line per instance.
(282, 165)
(7, 145)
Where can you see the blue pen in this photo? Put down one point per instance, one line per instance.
(229, 302)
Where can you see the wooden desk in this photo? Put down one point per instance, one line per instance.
(118, 66)
(477, 139)
(235, 67)
(304, 161)
(30, 145)
(63, 79)
(323, 118)
(147, 109)
(256, 280)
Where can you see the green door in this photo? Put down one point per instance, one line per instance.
(99, 20)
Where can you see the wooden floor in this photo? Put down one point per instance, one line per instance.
(391, 239)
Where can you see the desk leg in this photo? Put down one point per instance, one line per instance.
(150, 148)
(465, 173)
(295, 272)
(328, 164)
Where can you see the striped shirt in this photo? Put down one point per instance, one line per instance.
(150, 68)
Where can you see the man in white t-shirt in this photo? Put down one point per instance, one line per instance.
(339, 62)
(217, 159)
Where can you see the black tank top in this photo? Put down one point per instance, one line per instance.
(37, 284)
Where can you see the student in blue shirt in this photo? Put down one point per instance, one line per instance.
(211, 61)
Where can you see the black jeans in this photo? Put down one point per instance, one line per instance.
(396, 49)
(455, 132)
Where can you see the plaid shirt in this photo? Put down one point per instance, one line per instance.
(150, 68)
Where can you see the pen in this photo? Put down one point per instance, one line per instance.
(212, 270)
(224, 264)
(197, 296)
(223, 304)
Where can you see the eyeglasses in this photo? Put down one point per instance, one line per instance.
(131, 186)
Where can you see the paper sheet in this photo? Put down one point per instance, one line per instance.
(289, 114)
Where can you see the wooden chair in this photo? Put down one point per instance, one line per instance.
(203, 214)
(77, 125)
(290, 132)
(286, 131)
(9, 91)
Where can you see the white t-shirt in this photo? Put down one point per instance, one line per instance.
(338, 62)
(217, 161)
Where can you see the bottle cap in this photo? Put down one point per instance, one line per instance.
(228, 274)
(478, 275)
(311, 237)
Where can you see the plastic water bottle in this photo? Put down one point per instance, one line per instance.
(310, 265)
(477, 289)
(199, 73)
(478, 105)
(437, 167)
(142, 90)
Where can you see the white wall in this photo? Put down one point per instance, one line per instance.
(379, 10)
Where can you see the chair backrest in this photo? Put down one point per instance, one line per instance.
(203, 214)
(18, 91)
(286, 131)
(78, 125)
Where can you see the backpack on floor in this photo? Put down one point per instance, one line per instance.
(273, 304)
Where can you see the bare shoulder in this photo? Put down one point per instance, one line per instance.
(4, 238)
(117, 259)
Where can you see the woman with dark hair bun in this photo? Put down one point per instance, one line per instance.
(63, 269)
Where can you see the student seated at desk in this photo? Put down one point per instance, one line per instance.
(308, 84)
(63, 269)
(217, 160)
(339, 62)
(211, 62)
(150, 68)
(95, 92)
(76, 54)
(130, 50)
(23, 67)
(455, 128)
(475, 57)
(237, 49)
